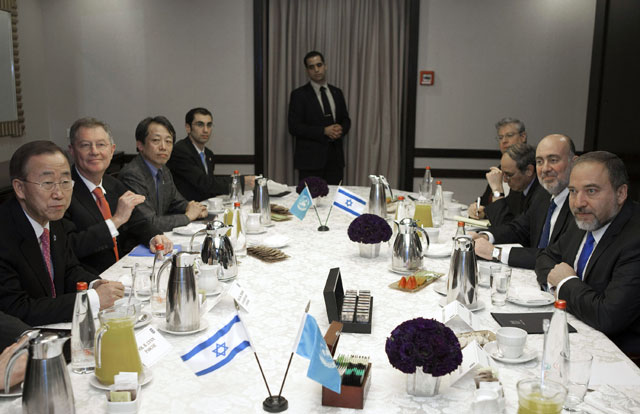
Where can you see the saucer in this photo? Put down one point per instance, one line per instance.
(437, 251)
(532, 303)
(143, 379)
(440, 288)
(204, 324)
(256, 232)
(479, 305)
(215, 211)
(276, 241)
(190, 229)
(143, 320)
(216, 292)
(15, 391)
(492, 349)
(403, 272)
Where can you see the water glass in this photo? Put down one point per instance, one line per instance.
(575, 372)
(500, 281)
(142, 284)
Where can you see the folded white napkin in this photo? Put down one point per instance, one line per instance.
(125, 279)
(276, 241)
(531, 295)
(276, 188)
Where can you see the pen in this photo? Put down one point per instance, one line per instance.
(478, 205)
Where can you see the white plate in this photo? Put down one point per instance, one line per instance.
(532, 303)
(251, 233)
(479, 305)
(440, 287)
(276, 241)
(144, 379)
(403, 272)
(437, 250)
(204, 324)
(15, 391)
(216, 292)
(146, 320)
(190, 229)
(215, 211)
(492, 349)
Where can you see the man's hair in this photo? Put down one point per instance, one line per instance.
(523, 154)
(508, 120)
(142, 130)
(20, 158)
(188, 119)
(89, 123)
(311, 54)
(615, 167)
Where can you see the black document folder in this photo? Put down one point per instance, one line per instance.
(530, 322)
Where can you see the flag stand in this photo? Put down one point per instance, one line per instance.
(324, 227)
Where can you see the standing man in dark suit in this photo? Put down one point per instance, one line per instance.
(105, 222)
(595, 265)
(192, 163)
(319, 121)
(543, 223)
(148, 175)
(38, 269)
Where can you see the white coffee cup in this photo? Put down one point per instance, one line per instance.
(253, 223)
(208, 278)
(485, 402)
(433, 233)
(215, 204)
(511, 341)
(447, 196)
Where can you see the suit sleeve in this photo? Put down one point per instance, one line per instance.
(93, 239)
(498, 212)
(550, 256)
(10, 329)
(516, 231)
(298, 119)
(524, 257)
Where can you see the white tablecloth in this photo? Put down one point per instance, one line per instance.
(279, 294)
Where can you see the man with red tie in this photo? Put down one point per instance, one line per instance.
(105, 223)
(38, 269)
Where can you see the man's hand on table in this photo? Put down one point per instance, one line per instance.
(560, 272)
(108, 292)
(196, 210)
(160, 239)
(19, 369)
(484, 248)
(474, 213)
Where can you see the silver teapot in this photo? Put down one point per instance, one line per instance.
(218, 250)
(463, 273)
(183, 305)
(261, 203)
(47, 387)
(377, 195)
(407, 246)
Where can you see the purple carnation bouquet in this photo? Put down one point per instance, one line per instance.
(369, 229)
(317, 186)
(424, 343)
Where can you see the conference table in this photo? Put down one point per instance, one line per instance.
(279, 293)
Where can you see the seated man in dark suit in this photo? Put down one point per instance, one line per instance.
(595, 265)
(519, 170)
(38, 269)
(105, 223)
(11, 330)
(544, 222)
(192, 163)
(148, 175)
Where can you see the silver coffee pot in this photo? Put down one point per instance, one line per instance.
(377, 195)
(261, 203)
(47, 387)
(407, 246)
(463, 271)
(218, 250)
(183, 306)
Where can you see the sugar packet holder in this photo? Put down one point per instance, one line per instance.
(124, 395)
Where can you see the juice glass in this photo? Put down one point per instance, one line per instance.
(532, 399)
(422, 214)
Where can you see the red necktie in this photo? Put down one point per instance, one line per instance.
(106, 214)
(45, 246)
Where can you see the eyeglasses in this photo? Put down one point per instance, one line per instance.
(86, 146)
(507, 136)
(65, 185)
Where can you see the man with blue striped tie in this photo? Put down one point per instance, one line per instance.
(595, 265)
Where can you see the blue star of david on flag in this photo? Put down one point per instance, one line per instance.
(221, 349)
(349, 202)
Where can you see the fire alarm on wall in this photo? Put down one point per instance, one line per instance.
(426, 77)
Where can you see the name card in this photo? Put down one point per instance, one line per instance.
(241, 296)
(457, 317)
(151, 345)
(472, 356)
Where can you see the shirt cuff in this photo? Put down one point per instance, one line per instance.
(112, 228)
(94, 300)
(562, 282)
(490, 236)
(504, 255)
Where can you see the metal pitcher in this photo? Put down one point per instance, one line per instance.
(47, 387)
(407, 247)
(218, 250)
(183, 306)
(261, 203)
(377, 195)
(463, 271)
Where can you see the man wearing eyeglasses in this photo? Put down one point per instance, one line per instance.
(105, 223)
(38, 269)
(510, 131)
(192, 163)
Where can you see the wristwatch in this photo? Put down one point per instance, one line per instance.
(497, 253)
(497, 194)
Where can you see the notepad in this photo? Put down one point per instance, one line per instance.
(530, 322)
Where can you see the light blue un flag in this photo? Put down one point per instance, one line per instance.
(311, 345)
(302, 204)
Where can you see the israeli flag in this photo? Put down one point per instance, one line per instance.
(219, 349)
(349, 202)
(311, 345)
(302, 204)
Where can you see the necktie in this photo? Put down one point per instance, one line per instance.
(103, 206)
(45, 246)
(325, 102)
(204, 162)
(546, 230)
(587, 249)
(158, 183)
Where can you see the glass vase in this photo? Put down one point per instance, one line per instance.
(421, 384)
(369, 250)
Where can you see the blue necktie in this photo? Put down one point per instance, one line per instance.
(546, 230)
(203, 161)
(585, 254)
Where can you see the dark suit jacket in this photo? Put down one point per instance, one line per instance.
(527, 228)
(10, 329)
(189, 175)
(506, 209)
(609, 297)
(164, 213)
(307, 122)
(89, 234)
(25, 287)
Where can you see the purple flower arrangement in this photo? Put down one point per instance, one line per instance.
(317, 186)
(424, 343)
(369, 229)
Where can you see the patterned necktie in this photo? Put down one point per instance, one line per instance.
(103, 206)
(325, 103)
(546, 230)
(587, 249)
(204, 162)
(45, 246)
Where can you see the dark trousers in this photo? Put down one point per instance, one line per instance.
(332, 172)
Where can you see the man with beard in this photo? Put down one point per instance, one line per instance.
(547, 217)
(595, 265)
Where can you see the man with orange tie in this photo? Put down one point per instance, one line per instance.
(105, 224)
(38, 269)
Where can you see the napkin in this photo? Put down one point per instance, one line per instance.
(608, 400)
(531, 295)
(143, 251)
(276, 188)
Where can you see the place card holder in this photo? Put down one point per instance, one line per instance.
(334, 299)
(350, 396)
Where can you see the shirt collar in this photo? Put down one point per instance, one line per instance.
(37, 228)
(560, 198)
(91, 186)
(152, 168)
(316, 86)
(597, 234)
(196, 147)
(526, 190)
